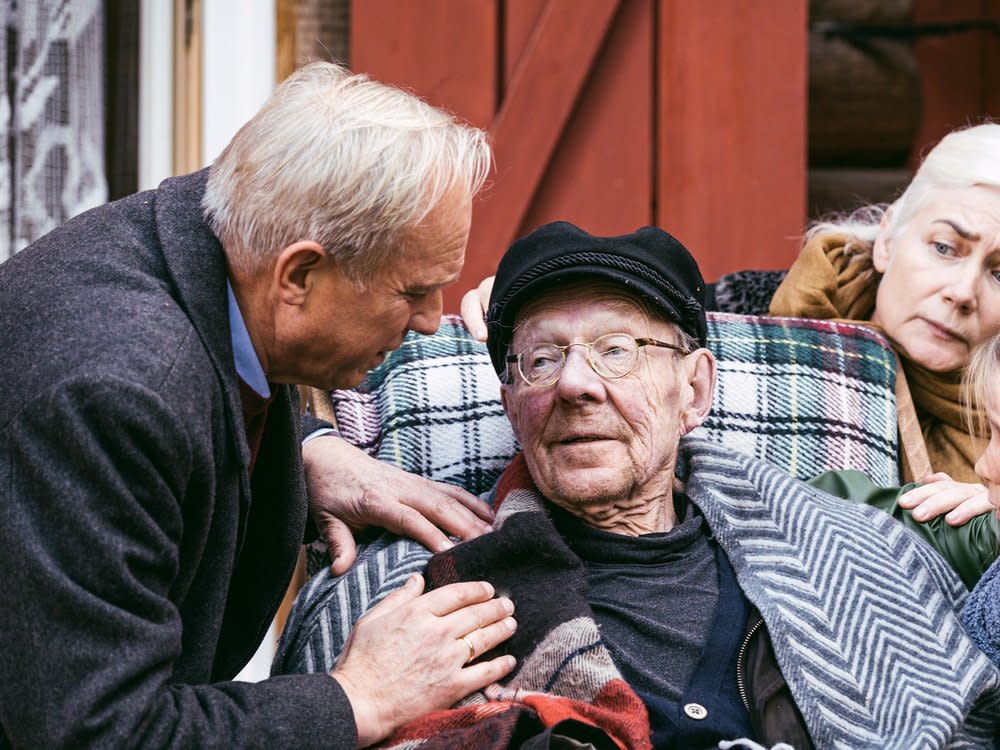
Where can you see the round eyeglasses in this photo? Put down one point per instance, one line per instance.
(613, 355)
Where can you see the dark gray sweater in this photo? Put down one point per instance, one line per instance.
(654, 597)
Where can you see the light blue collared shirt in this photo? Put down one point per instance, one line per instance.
(248, 365)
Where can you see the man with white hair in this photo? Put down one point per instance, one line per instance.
(152, 492)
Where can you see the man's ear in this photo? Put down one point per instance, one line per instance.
(700, 374)
(506, 399)
(296, 268)
(880, 250)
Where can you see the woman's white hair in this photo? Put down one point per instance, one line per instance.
(341, 160)
(963, 158)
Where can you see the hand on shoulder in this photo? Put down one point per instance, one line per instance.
(350, 491)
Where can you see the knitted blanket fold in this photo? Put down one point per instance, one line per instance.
(565, 681)
(863, 616)
(981, 615)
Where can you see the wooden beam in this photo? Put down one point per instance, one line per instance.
(731, 129)
(600, 174)
(284, 43)
(187, 86)
(958, 71)
(542, 93)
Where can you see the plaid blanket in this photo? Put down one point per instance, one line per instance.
(861, 614)
(806, 395)
(809, 396)
(433, 408)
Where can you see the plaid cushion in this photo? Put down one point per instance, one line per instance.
(806, 395)
(433, 408)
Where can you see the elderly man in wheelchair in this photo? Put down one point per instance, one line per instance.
(669, 591)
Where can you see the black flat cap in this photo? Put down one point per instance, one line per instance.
(649, 260)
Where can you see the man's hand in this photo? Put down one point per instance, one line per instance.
(349, 491)
(474, 304)
(939, 494)
(408, 656)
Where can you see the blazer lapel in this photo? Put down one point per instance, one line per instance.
(196, 264)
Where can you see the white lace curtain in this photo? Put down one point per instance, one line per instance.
(51, 116)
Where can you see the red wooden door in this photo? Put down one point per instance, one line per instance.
(613, 114)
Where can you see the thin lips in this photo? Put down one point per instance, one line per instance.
(947, 329)
(588, 437)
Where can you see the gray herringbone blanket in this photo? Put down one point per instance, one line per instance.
(862, 614)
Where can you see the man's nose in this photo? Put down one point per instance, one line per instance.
(426, 316)
(577, 376)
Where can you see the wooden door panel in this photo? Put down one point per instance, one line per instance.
(732, 127)
(543, 90)
(601, 174)
(615, 113)
(443, 50)
(958, 71)
(519, 20)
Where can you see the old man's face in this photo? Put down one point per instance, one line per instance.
(604, 448)
(340, 332)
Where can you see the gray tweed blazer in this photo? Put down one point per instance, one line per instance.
(141, 567)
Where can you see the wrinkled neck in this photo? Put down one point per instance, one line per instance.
(641, 513)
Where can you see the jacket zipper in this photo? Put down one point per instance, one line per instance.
(740, 656)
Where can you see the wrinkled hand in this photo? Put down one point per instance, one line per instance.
(406, 656)
(939, 494)
(349, 491)
(474, 304)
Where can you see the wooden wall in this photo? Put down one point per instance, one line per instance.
(960, 72)
(614, 114)
(618, 113)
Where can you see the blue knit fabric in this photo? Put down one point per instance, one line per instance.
(981, 615)
(713, 685)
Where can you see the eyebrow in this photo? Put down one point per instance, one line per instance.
(427, 285)
(965, 234)
(419, 289)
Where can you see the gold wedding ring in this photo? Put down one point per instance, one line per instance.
(472, 649)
